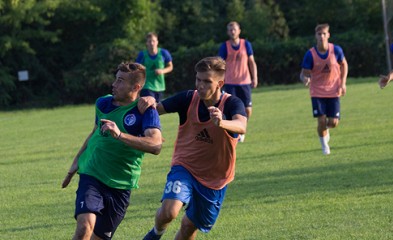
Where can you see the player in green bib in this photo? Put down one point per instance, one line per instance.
(158, 62)
(109, 162)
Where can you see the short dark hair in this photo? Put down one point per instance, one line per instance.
(151, 34)
(322, 26)
(215, 64)
(136, 71)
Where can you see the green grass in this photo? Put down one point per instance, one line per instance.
(284, 187)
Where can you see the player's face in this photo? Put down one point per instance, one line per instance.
(152, 43)
(322, 36)
(207, 84)
(233, 32)
(122, 86)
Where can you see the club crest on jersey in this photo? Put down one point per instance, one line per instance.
(130, 119)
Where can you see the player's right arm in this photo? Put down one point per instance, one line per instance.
(305, 76)
(145, 102)
(74, 166)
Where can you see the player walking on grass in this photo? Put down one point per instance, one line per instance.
(109, 162)
(241, 74)
(158, 62)
(203, 161)
(324, 71)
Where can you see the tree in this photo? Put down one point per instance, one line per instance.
(23, 26)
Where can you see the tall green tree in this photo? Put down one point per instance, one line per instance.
(23, 27)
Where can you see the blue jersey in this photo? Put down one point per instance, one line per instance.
(180, 102)
(149, 119)
(222, 52)
(308, 62)
(166, 56)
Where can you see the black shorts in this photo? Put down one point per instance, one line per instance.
(326, 106)
(241, 91)
(148, 92)
(109, 204)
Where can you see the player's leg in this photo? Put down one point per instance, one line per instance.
(202, 211)
(244, 93)
(187, 230)
(116, 204)
(84, 226)
(87, 204)
(322, 126)
(333, 112)
(168, 212)
(319, 112)
(177, 192)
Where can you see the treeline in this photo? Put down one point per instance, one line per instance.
(70, 48)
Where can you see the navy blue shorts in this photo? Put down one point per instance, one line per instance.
(241, 91)
(326, 106)
(203, 204)
(107, 203)
(148, 92)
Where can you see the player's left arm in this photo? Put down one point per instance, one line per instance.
(151, 142)
(344, 74)
(253, 71)
(168, 63)
(238, 123)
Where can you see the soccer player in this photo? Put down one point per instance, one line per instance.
(203, 162)
(158, 62)
(325, 70)
(241, 70)
(109, 161)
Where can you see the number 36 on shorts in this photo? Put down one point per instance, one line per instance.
(174, 187)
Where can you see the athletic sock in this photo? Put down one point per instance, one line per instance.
(151, 235)
(158, 232)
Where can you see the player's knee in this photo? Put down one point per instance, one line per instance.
(322, 123)
(84, 227)
(333, 124)
(168, 214)
(83, 230)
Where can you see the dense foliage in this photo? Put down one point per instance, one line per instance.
(70, 48)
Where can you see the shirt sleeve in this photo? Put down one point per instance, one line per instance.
(338, 51)
(166, 55)
(233, 106)
(150, 119)
(140, 58)
(308, 61)
(179, 103)
(222, 52)
(249, 48)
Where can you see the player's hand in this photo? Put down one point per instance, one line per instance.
(254, 83)
(108, 125)
(159, 71)
(146, 102)
(343, 91)
(306, 80)
(215, 115)
(383, 81)
(69, 175)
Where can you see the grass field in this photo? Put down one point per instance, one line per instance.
(284, 187)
